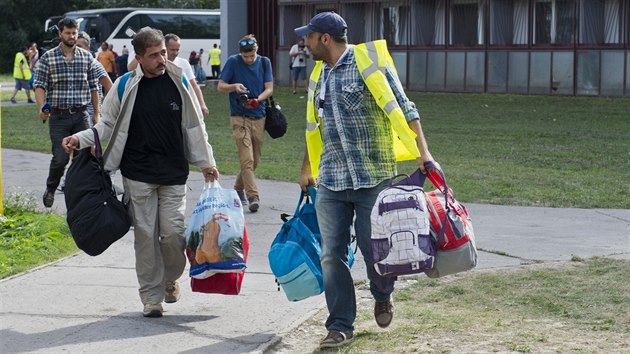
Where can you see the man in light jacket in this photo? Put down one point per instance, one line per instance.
(155, 130)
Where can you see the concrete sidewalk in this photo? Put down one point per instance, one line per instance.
(90, 304)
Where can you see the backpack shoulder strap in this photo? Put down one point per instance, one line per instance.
(185, 82)
(122, 83)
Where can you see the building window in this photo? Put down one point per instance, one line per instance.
(600, 22)
(427, 28)
(553, 22)
(466, 23)
(360, 20)
(508, 22)
(290, 18)
(393, 24)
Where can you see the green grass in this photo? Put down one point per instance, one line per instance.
(497, 149)
(576, 307)
(29, 238)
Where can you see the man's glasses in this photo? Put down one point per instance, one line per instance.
(247, 42)
(68, 21)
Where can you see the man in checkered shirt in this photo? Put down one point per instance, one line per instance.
(65, 80)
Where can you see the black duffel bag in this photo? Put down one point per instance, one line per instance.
(275, 121)
(95, 216)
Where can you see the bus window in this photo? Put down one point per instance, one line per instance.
(185, 26)
(196, 26)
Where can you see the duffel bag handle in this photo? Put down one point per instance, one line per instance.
(414, 179)
(312, 192)
(436, 176)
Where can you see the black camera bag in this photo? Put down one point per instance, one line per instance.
(275, 122)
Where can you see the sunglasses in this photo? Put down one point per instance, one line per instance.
(68, 21)
(247, 42)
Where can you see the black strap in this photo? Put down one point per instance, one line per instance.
(98, 151)
(270, 102)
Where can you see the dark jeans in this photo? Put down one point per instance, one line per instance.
(61, 125)
(336, 213)
(216, 71)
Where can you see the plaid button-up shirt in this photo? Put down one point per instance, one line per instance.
(358, 147)
(67, 84)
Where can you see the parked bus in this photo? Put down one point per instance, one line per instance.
(197, 28)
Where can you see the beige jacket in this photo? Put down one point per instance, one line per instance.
(116, 116)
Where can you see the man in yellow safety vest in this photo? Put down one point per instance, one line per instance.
(359, 123)
(22, 75)
(215, 61)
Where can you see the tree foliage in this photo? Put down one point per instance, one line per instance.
(22, 21)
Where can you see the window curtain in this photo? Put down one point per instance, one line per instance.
(394, 22)
(553, 22)
(440, 23)
(423, 26)
(290, 18)
(501, 22)
(521, 10)
(358, 22)
(612, 23)
(466, 22)
(565, 18)
(600, 22)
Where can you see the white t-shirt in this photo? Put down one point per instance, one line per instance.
(182, 63)
(296, 59)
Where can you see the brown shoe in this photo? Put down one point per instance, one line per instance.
(383, 313)
(172, 293)
(254, 204)
(335, 339)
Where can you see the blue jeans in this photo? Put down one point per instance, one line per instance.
(335, 214)
(61, 125)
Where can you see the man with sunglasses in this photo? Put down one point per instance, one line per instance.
(65, 80)
(154, 131)
(350, 150)
(248, 78)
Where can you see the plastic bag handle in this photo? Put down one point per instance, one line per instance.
(211, 184)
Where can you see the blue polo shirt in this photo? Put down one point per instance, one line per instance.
(237, 71)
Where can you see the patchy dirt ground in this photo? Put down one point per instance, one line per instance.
(541, 336)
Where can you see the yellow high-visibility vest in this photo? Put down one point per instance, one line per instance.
(372, 58)
(17, 73)
(215, 56)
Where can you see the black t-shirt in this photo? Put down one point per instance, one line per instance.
(154, 152)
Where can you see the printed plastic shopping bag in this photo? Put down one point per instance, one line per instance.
(222, 283)
(214, 236)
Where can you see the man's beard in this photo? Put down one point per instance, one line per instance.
(69, 43)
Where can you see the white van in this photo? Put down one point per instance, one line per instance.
(197, 28)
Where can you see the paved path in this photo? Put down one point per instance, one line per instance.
(90, 304)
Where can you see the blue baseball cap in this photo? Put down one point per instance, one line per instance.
(325, 22)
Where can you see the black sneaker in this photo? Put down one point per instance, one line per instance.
(31, 101)
(335, 339)
(13, 100)
(383, 313)
(48, 198)
(254, 204)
